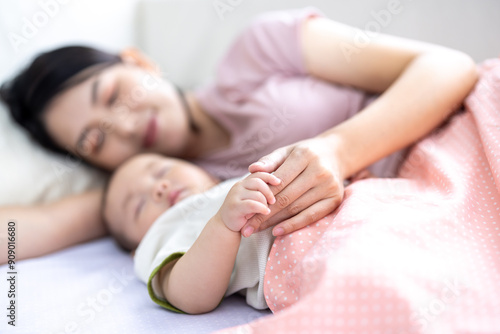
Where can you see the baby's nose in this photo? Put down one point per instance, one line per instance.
(160, 190)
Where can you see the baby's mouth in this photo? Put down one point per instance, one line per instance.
(174, 196)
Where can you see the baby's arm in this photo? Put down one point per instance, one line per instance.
(197, 282)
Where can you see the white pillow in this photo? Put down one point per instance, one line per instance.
(30, 174)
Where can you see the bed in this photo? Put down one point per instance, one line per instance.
(90, 288)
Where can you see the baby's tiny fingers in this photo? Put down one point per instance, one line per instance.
(266, 177)
(254, 195)
(273, 180)
(256, 207)
(260, 185)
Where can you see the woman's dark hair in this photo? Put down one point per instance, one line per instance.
(29, 93)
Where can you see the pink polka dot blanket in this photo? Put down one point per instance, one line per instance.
(415, 254)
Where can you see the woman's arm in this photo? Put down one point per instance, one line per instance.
(44, 229)
(421, 85)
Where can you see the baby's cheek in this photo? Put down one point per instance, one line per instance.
(149, 217)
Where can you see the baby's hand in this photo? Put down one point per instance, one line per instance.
(247, 198)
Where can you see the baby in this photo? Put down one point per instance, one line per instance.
(184, 226)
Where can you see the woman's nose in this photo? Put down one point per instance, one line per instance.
(123, 121)
(126, 127)
(160, 190)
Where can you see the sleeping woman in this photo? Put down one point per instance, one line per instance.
(296, 94)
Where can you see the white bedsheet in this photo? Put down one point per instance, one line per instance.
(91, 288)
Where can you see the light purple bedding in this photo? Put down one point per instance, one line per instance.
(91, 288)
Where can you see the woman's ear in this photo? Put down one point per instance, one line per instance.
(133, 56)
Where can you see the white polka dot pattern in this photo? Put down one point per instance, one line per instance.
(416, 254)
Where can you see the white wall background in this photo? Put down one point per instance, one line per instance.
(187, 37)
(45, 24)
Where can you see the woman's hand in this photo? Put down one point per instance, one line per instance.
(420, 86)
(311, 187)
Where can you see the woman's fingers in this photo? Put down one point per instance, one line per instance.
(269, 163)
(286, 199)
(309, 176)
(310, 198)
(308, 216)
(287, 173)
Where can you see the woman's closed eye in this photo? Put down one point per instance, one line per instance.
(114, 96)
(92, 141)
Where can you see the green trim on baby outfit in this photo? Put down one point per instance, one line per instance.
(163, 303)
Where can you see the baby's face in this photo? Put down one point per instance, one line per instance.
(147, 185)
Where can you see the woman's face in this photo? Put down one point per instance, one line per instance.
(118, 112)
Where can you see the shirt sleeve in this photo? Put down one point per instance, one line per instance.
(269, 46)
(167, 240)
(154, 285)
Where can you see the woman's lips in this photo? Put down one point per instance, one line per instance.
(150, 135)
